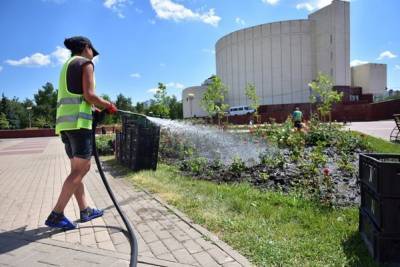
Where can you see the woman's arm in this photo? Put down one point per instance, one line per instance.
(88, 88)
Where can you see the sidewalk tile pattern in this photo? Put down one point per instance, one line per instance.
(32, 172)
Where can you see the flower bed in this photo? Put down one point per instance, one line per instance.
(320, 161)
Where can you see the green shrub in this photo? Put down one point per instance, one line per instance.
(105, 144)
(237, 166)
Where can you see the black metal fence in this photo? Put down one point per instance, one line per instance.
(137, 145)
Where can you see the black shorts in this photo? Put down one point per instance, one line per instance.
(297, 124)
(78, 143)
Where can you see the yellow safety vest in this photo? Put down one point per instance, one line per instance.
(73, 111)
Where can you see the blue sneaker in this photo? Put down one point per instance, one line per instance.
(89, 214)
(58, 220)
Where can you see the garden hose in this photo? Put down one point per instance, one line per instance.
(131, 113)
(98, 116)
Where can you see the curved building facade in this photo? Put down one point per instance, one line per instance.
(281, 58)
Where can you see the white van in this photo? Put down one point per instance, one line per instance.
(240, 110)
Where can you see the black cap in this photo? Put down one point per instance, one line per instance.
(79, 42)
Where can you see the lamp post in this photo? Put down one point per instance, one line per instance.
(190, 97)
(29, 114)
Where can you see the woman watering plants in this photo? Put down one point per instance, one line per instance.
(75, 104)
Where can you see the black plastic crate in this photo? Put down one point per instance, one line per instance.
(381, 173)
(385, 212)
(137, 145)
(384, 248)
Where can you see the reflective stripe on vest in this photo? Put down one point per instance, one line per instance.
(69, 101)
(73, 118)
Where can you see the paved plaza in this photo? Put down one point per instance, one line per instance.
(379, 129)
(32, 172)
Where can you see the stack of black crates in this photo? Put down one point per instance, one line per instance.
(137, 145)
(380, 206)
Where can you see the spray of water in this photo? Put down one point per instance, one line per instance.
(212, 142)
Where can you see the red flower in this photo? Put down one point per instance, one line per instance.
(325, 171)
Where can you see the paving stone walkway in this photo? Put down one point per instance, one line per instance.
(32, 171)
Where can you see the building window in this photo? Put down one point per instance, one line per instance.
(331, 56)
(331, 38)
(331, 72)
(354, 98)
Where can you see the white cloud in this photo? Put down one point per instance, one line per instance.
(35, 60)
(386, 54)
(175, 85)
(135, 75)
(152, 90)
(357, 62)
(314, 4)
(171, 85)
(397, 67)
(271, 2)
(240, 21)
(117, 6)
(61, 54)
(152, 21)
(1, 68)
(166, 9)
(206, 50)
(307, 6)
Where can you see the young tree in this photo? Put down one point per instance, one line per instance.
(213, 99)
(253, 97)
(160, 107)
(161, 94)
(324, 95)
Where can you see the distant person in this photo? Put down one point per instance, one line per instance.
(297, 118)
(75, 103)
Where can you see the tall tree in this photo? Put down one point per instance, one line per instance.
(175, 108)
(4, 124)
(124, 103)
(213, 99)
(46, 105)
(140, 108)
(324, 95)
(15, 112)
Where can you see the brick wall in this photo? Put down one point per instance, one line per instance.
(360, 111)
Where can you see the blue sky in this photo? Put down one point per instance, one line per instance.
(143, 42)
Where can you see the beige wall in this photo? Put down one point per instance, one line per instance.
(192, 107)
(275, 57)
(371, 77)
(331, 41)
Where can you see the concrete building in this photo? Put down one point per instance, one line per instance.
(371, 77)
(191, 98)
(282, 58)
